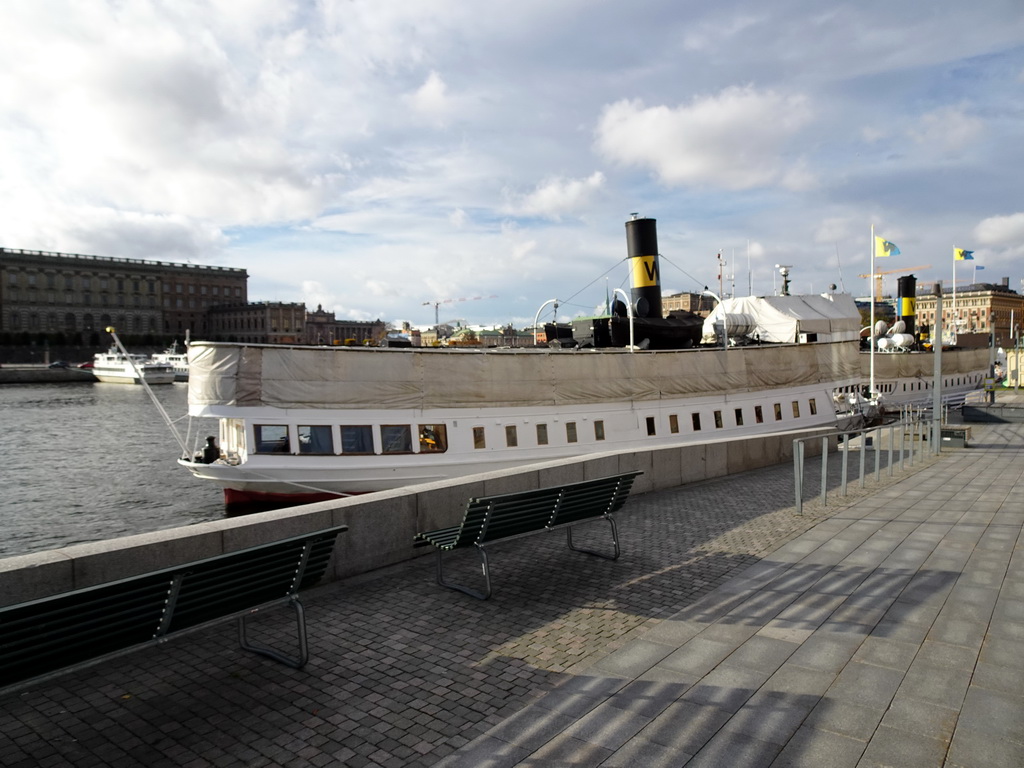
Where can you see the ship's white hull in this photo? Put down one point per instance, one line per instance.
(177, 361)
(908, 378)
(296, 452)
(114, 368)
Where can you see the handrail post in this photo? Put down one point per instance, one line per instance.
(889, 458)
(878, 454)
(798, 473)
(913, 440)
(863, 455)
(824, 470)
(903, 441)
(846, 460)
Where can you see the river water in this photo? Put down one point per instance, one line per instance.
(90, 461)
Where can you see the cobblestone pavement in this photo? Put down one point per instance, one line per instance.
(403, 672)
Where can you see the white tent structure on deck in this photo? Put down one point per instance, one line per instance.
(786, 319)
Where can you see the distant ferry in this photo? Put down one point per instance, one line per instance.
(177, 360)
(115, 368)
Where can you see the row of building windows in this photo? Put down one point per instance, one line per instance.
(322, 439)
(85, 282)
(34, 321)
(16, 279)
(86, 299)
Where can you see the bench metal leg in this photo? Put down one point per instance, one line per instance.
(300, 621)
(615, 541)
(458, 587)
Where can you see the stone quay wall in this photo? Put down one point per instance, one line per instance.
(381, 525)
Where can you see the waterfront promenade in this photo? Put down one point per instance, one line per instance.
(880, 630)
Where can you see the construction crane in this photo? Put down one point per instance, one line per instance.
(437, 304)
(878, 275)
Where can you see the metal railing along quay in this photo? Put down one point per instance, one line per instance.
(914, 425)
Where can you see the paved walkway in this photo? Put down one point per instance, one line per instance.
(882, 632)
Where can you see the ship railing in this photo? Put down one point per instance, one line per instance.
(895, 445)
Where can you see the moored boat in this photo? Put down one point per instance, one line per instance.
(113, 367)
(177, 360)
(299, 424)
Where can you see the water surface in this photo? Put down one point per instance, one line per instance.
(90, 461)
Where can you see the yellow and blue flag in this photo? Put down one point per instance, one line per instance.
(884, 248)
(959, 254)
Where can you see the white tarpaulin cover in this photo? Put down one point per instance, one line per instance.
(782, 319)
(372, 377)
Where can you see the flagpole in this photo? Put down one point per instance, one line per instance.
(871, 329)
(956, 314)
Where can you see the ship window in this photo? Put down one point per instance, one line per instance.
(479, 441)
(739, 417)
(599, 430)
(696, 421)
(542, 434)
(814, 407)
(673, 424)
(570, 431)
(758, 414)
(778, 411)
(433, 438)
(511, 437)
(356, 439)
(271, 438)
(315, 438)
(718, 419)
(395, 438)
(796, 410)
(652, 428)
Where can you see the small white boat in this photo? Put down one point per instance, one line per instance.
(114, 368)
(177, 360)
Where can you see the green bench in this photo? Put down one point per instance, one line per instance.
(488, 519)
(45, 637)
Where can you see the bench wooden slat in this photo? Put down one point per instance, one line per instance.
(42, 637)
(488, 519)
(514, 516)
(579, 503)
(36, 636)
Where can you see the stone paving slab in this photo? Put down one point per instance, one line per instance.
(730, 630)
(891, 647)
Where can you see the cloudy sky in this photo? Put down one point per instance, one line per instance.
(376, 156)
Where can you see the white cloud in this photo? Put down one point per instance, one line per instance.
(431, 98)
(1001, 230)
(737, 139)
(948, 129)
(555, 197)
